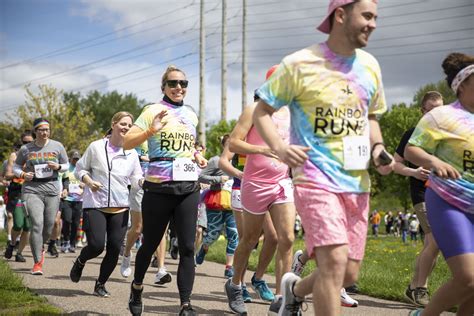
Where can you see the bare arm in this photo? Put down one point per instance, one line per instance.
(237, 143)
(292, 155)
(420, 157)
(376, 137)
(9, 175)
(226, 166)
(400, 168)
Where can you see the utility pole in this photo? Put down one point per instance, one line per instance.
(224, 62)
(202, 51)
(244, 54)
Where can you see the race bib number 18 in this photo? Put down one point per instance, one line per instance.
(43, 171)
(356, 152)
(184, 169)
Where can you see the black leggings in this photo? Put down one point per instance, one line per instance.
(71, 214)
(157, 210)
(97, 224)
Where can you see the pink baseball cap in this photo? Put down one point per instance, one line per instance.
(325, 26)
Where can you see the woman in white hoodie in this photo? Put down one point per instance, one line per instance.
(106, 169)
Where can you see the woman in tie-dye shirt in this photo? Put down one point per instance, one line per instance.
(443, 142)
(171, 189)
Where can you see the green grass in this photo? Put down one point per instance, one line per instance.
(386, 269)
(15, 298)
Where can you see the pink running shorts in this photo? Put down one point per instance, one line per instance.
(257, 197)
(333, 219)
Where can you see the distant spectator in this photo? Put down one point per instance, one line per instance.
(375, 221)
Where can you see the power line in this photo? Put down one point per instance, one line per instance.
(67, 48)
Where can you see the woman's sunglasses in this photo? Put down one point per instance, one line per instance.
(174, 83)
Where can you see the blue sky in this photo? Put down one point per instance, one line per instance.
(138, 39)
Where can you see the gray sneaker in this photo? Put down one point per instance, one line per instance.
(236, 300)
(422, 298)
(275, 306)
(291, 304)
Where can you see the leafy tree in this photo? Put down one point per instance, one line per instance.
(213, 134)
(10, 135)
(69, 125)
(104, 106)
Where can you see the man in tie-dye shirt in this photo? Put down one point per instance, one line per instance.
(334, 91)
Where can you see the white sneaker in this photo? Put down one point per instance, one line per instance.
(162, 276)
(125, 268)
(297, 266)
(346, 300)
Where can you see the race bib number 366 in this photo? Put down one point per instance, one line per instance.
(43, 171)
(356, 152)
(184, 169)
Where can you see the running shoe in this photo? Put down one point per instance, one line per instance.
(346, 300)
(154, 262)
(275, 306)
(416, 312)
(52, 251)
(246, 295)
(297, 266)
(235, 299)
(37, 269)
(19, 257)
(76, 271)
(290, 304)
(174, 250)
(410, 295)
(100, 290)
(422, 297)
(9, 251)
(162, 277)
(72, 249)
(229, 272)
(262, 289)
(187, 310)
(353, 289)
(200, 255)
(65, 247)
(125, 269)
(135, 304)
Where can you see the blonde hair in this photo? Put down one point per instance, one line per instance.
(117, 117)
(168, 70)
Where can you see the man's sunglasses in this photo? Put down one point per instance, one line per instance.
(24, 142)
(174, 83)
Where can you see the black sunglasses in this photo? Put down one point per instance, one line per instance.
(24, 142)
(174, 83)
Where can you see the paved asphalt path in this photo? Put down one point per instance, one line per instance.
(208, 297)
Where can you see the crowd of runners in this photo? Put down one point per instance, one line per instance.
(303, 147)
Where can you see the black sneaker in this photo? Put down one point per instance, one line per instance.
(174, 250)
(135, 304)
(9, 251)
(422, 297)
(187, 310)
(76, 271)
(154, 262)
(19, 258)
(100, 290)
(52, 251)
(353, 289)
(410, 295)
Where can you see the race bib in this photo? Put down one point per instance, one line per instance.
(235, 200)
(43, 171)
(356, 152)
(184, 169)
(287, 186)
(74, 188)
(227, 186)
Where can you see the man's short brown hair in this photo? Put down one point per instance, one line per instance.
(431, 95)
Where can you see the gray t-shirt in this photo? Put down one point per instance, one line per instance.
(35, 160)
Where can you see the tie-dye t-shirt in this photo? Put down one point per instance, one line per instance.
(330, 97)
(447, 132)
(175, 140)
(142, 150)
